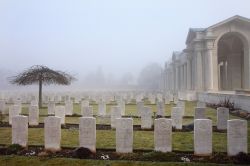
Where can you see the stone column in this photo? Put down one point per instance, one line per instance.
(185, 77)
(189, 76)
(212, 70)
(198, 71)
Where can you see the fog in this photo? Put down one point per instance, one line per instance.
(102, 43)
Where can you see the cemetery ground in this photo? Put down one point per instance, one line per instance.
(143, 142)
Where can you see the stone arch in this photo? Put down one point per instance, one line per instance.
(232, 49)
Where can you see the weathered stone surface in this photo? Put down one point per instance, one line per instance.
(33, 115)
(200, 113)
(87, 111)
(52, 133)
(236, 136)
(51, 107)
(102, 108)
(124, 135)
(139, 107)
(20, 130)
(163, 135)
(122, 105)
(201, 104)
(84, 103)
(160, 108)
(115, 113)
(146, 118)
(14, 110)
(60, 112)
(68, 107)
(222, 117)
(181, 104)
(176, 116)
(202, 137)
(87, 133)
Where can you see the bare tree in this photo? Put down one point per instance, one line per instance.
(41, 75)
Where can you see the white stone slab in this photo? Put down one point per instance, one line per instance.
(222, 117)
(124, 135)
(60, 112)
(52, 133)
(236, 136)
(87, 133)
(20, 130)
(146, 118)
(163, 135)
(33, 115)
(176, 116)
(203, 137)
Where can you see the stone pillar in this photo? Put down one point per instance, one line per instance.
(189, 76)
(203, 137)
(33, 115)
(181, 77)
(20, 130)
(185, 77)
(222, 117)
(52, 133)
(212, 68)
(236, 136)
(87, 133)
(163, 135)
(198, 69)
(124, 135)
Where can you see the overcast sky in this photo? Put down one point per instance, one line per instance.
(81, 35)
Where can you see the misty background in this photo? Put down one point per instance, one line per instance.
(104, 44)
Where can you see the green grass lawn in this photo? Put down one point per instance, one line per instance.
(24, 161)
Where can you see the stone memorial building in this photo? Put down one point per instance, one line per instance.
(215, 64)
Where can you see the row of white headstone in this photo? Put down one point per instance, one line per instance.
(236, 135)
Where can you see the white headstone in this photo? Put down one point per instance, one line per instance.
(139, 107)
(122, 105)
(102, 108)
(181, 104)
(203, 137)
(60, 112)
(51, 107)
(20, 130)
(33, 115)
(222, 117)
(163, 135)
(68, 107)
(160, 108)
(201, 104)
(87, 133)
(176, 116)
(14, 110)
(52, 133)
(87, 111)
(84, 103)
(146, 118)
(236, 136)
(115, 113)
(124, 135)
(200, 113)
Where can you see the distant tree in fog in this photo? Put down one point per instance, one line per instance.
(150, 77)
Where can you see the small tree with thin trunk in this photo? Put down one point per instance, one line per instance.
(41, 75)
